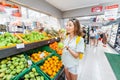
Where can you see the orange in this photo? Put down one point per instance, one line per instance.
(54, 73)
(52, 76)
(50, 72)
(49, 59)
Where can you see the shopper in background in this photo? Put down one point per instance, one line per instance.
(92, 37)
(104, 39)
(97, 35)
(71, 51)
(84, 33)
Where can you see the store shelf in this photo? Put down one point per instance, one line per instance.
(13, 51)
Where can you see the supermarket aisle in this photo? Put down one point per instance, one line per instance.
(95, 66)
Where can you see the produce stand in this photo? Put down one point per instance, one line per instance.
(4, 53)
(61, 76)
(13, 51)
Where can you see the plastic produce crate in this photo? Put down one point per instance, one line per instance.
(57, 74)
(36, 50)
(11, 66)
(27, 71)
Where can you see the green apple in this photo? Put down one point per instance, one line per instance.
(60, 45)
(22, 56)
(18, 70)
(14, 58)
(23, 59)
(33, 70)
(22, 66)
(3, 69)
(36, 74)
(21, 63)
(26, 79)
(16, 64)
(38, 78)
(41, 78)
(31, 74)
(9, 62)
(9, 77)
(4, 61)
(8, 71)
(3, 66)
(18, 67)
(13, 72)
(26, 76)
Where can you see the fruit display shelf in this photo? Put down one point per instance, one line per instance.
(13, 51)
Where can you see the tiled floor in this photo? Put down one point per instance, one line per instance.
(94, 65)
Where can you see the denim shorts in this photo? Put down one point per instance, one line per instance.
(97, 36)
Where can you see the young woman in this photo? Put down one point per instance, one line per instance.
(92, 37)
(104, 40)
(71, 51)
(97, 35)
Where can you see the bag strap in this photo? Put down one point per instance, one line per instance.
(78, 39)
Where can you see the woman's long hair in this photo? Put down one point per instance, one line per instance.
(77, 27)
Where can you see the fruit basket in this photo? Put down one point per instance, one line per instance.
(12, 66)
(38, 55)
(51, 67)
(31, 73)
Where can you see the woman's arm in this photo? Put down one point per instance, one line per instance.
(74, 54)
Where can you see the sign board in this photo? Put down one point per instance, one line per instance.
(111, 12)
(9, 9)
(97, 9)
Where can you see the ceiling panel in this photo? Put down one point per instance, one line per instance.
(64, 5)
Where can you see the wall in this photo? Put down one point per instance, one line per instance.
(85, 11)
(40, 5)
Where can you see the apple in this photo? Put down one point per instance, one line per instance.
(60, 45)
(18, 70)
(18, 67)
(26, 79)
(36, 74)
(22, 66)
(8, 71)
(3, 65)
(13, 72)
(33, 70)
(26, 76)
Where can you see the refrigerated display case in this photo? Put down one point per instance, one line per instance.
(117, 43)
(113, 35)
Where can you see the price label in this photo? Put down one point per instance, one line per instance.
(29, 62)
(19, 46)
(56, 38)
(42, 55)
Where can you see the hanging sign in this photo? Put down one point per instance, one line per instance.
(9, 9)
(111, 12)
(2, 8)
(97, 9)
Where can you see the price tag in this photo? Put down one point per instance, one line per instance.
(19, 46)
(42, 55)
(48, 41)
(56, 38)
(29, 62)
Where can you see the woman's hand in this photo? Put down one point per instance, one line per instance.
(73, 53)
(67, 47)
